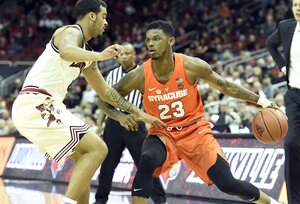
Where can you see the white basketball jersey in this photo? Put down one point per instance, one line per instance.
(52, 73)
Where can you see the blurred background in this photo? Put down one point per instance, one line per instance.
(230, 35)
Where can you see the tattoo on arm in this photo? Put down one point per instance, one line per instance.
(119, 101)
(123, 87)
(246, 94)
(233, 89)
(221, 83)
(240, 92)
(237, 92)
(108, 109)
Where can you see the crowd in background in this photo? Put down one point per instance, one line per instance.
(222, 31)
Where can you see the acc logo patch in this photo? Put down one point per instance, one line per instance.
(170, 174)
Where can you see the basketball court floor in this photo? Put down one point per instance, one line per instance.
(44, 192)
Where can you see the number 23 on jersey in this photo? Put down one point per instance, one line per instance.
(167, 111)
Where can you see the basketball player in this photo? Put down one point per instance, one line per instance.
(39, 114)
(169, 84)
(117, 137)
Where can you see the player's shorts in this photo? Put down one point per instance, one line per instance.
(47, 123)
(195, 144)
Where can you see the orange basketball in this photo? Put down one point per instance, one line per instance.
(269, 125)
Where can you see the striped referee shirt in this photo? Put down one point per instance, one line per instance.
(135, 97)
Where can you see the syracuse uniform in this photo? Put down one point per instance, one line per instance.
(178, 104)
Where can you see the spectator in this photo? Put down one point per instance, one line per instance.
(221, 122)
(266, 87)
(14, 47)
(270, 25)
(279, 99)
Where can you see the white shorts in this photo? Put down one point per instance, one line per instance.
(47, 124)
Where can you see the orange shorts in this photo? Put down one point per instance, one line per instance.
(194, 144)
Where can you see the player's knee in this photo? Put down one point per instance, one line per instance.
(75, 156)
(96, 144)
(98, 157)
(98, 151)
(102, 151)
(147, 158)
(153, 153)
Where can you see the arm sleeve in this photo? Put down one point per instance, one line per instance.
(273, 42)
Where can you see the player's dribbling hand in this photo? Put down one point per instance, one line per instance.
(142, 116)
(111, 52)
(129, 122)
(273, 105)
(266, 103)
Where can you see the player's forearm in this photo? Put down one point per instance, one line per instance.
(77, 54)
(236, 91)
(109, 110)
(115, 99)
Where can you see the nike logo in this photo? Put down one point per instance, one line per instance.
(137, 189)
(167, 88)
(151, 89)
(252, 199)
(201, 131)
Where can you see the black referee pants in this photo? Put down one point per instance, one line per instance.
(117, 138)
(292, 146)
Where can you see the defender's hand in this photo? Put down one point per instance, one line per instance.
(111, 52)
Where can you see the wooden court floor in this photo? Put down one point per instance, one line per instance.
(44, 192)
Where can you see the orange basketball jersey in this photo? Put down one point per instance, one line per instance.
(176, 102)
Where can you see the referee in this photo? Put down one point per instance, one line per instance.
(117, 137)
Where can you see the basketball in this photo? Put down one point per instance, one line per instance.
(269, 125)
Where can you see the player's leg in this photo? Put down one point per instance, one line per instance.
(158, 193)
(209, 163)
(92, 151)
(61, 138)
(112, 136)
(84, 198)
(153, 155)
(222, 177)
(134, 141)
